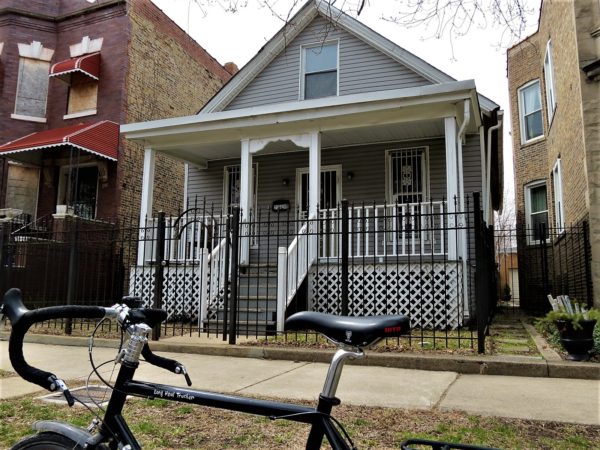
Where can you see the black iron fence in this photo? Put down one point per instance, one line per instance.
(229, 274)
(541, 261)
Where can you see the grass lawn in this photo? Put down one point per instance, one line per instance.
(159, 424)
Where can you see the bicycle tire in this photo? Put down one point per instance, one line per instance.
(46, 441)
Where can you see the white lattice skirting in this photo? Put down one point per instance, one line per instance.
(431, 294)
(181, 289)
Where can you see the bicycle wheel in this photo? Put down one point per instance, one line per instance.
(46, 441)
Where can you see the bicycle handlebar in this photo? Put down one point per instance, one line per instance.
(21, 320)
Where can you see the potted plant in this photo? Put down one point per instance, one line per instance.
(575, 325)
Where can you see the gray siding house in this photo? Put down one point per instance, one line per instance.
(329, 110)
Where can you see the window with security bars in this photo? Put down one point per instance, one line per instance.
(408, 175)
(233, 183)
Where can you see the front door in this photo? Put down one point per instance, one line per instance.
(331, 194)
(331, 190)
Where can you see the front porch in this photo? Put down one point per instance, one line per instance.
(397, 262)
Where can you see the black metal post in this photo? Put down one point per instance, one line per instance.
(226, 275)
(588, 261)
(544, 256)
(481, 289)
(344, 268)
(235, 239)
(159, 271)
(72, 276)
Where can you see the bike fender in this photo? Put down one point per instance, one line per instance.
(76, 434)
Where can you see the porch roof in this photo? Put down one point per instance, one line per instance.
(375, 116)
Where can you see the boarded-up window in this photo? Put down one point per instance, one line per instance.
(83, 94)
(32, 88)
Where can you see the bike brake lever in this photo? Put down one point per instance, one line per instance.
(181, 370)
(61, 386)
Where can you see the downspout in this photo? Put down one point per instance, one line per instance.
(483, 165)
(488, 194)
(461, 135)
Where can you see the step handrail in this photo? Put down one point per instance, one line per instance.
(293, 265)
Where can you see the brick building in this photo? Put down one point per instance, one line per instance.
(554, 88)
(71, 71)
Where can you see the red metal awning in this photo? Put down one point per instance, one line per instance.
(99, 138)
(87, 64)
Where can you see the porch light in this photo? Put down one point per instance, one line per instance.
(349, 175)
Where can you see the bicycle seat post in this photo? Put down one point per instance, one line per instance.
(335, 369)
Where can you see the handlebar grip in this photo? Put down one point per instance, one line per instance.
(164, 363)
(149, 316)
(21, 320)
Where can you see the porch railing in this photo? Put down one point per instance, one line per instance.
(293, 265)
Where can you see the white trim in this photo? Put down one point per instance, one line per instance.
(306, 110)
(28, 118)
(76, 69)
(39, 147)
(549, 82)
(303, 48)
(558, 198)
(86, 45)
(527, 194)
(35, 50)
(88, 112)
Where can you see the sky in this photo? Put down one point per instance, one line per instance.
(480, 54)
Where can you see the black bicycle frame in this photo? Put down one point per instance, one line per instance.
(114, 424)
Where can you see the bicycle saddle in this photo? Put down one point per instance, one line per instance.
(353, 331)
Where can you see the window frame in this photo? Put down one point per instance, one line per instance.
(303, 73)
(62, 184)
(17, 115)
(557, 197)
(425, 172)
(528, 188)
(549, 82)
(522, 115)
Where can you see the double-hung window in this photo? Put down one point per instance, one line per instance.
(320, 70)
(549, 81)
(530, 111)
(536, 210)
(559, 213)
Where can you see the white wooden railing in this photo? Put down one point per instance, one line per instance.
(293, 265)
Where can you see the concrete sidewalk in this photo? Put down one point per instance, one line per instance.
(542, 398)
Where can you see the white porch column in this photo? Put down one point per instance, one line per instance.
(452, 184)
(314, 175)
(246, 200)
(147, 197)
(314, 194)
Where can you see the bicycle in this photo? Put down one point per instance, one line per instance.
(351, 335)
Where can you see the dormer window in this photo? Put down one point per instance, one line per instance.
(320, 70)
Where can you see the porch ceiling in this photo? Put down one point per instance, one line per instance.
(349, 120)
